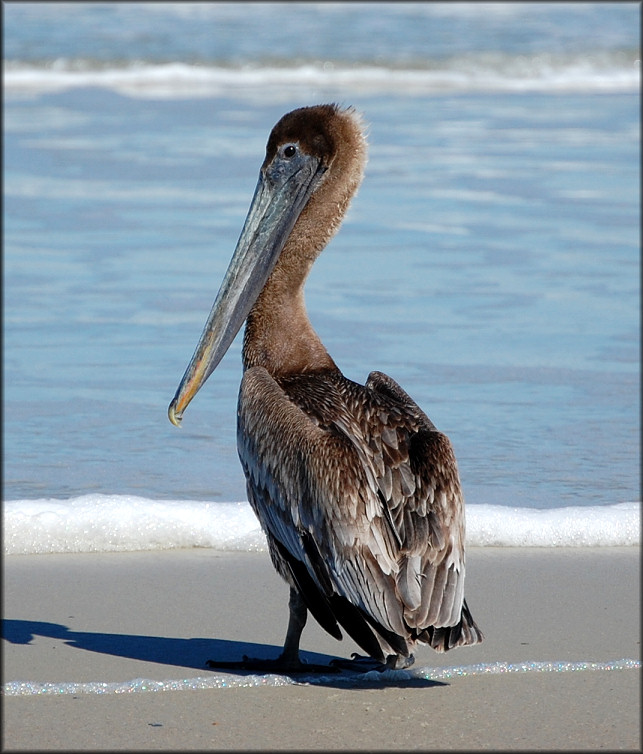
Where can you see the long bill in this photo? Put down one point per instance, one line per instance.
(279, 198)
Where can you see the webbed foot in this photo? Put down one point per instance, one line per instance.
(363, 664)
(279, 665)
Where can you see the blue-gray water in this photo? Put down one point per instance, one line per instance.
(490, 262)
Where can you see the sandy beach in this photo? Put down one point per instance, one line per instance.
(160, 616)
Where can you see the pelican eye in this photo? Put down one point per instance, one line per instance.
(290, 150)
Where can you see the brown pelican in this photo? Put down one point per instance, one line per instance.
(356, 490)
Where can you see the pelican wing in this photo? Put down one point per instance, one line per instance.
(421, 486)
(360, 499)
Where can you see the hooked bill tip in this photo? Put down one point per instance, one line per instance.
(173, 416)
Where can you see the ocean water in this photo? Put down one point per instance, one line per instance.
(490, 262)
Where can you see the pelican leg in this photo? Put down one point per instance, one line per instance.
(288, 661)
(296, 623)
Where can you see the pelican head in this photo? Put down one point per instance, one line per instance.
(308, 148)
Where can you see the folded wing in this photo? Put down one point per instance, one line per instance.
(360, 499)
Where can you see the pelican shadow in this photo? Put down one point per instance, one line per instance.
(183, 653)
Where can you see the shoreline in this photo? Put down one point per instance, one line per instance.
(160, 615)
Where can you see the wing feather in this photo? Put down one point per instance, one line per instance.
(356, 484)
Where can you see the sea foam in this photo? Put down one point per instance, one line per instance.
(121, 523)
(473, 73)
(370, 679)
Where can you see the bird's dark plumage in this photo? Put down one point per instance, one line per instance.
(357, 491)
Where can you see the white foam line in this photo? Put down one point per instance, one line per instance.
(124, 523)
(140, 685)
(181, 80)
